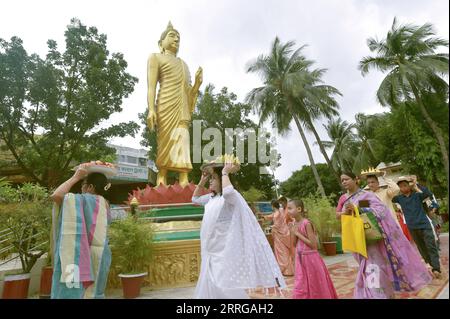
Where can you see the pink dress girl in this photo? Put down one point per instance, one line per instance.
(312, 280)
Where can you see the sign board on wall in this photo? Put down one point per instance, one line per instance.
(131, 173)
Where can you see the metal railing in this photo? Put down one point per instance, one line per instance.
(12, 248)
(6, 236)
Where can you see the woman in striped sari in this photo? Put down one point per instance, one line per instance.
(81, 255)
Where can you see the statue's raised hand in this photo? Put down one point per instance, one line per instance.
(151, 120)
(199, 76)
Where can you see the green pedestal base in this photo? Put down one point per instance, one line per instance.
(338, 240)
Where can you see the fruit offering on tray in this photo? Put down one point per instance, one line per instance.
(109, 169)
(94, 163)
(220, 162)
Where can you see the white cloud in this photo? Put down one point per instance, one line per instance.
(222, 36)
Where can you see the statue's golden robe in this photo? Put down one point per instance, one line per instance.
(174, 109)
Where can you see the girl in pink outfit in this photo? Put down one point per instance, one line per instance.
(312, 280)
(282, 242)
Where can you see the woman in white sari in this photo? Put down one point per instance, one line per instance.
(235, 252)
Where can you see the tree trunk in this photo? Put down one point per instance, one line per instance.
(324, 153)
(311, 159)
(21, 164)
(436, 130)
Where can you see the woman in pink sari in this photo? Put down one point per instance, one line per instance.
(392, 263)
(282, 241)
(312, 280)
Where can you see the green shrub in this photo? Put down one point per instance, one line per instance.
(28, 192)
(131, 243)
(33, 192)
(7, 193)
(322, 213)
(25, 222)
(443, 206)
(29, 227)
(253, 195)
(444, 228)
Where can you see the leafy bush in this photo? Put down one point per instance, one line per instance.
(25, 223)
(253, 195)
(28, 192)
(443, 206)
(131, 243)
(7, 193)
(444, 228)
(322, 213)
(33, 192)
(27, 227)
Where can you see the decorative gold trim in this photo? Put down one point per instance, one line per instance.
(176, 264)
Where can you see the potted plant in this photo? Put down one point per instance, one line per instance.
(338, 239)
(45, 287)
(27, 226)
(25, 216)
(323, 216)
(131, 243)
(34, 193)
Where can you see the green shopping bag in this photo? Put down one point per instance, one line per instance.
(372, 229)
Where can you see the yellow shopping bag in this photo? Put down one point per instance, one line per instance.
(353, 236)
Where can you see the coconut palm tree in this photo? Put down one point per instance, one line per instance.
(365, 138)
(314, 109)
(408, 55)
(291, 91)
(343, 142)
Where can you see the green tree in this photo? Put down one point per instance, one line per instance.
(301, 184)
(221, 110)
(343, 142)
(402, 135)
(51, 109)
(253, 195)
(291, 91)
(365, 138)
(414, 70)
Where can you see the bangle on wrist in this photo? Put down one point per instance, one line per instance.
(224, 174)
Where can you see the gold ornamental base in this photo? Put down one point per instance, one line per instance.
(175, 264)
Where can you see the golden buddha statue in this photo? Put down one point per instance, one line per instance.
(174, 106)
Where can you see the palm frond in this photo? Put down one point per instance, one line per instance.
(378, 63)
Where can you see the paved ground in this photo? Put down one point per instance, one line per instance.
(444, 293)
(188, 292)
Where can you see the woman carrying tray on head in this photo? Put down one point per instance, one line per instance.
(392, 264)
(235, 252)
(81, 255)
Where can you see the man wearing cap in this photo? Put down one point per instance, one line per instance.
(385, 190)
(430, 206)
(410, 200)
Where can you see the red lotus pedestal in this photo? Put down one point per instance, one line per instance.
(165, 194)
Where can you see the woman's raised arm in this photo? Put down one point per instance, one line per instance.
(64, 188)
